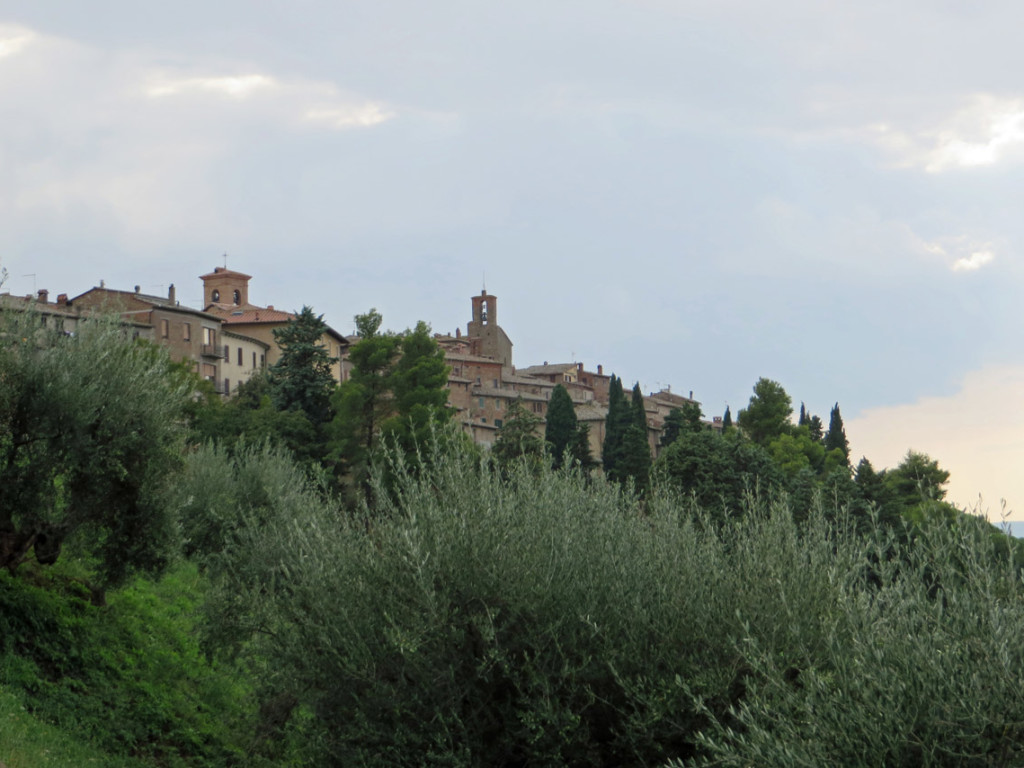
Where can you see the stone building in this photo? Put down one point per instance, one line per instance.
(188, 334)
(226, 295)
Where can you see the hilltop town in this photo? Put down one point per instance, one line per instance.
(230, 340)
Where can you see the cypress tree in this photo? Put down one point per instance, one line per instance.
(635, 459)
(560, 430)
(836, 435)
(637, 404)
(618, 419)
(727, 419)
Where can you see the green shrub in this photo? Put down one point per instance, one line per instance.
(128, 676)
(918, 663)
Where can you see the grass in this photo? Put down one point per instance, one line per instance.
(26, 742)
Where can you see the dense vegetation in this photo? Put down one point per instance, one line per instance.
(333, 577)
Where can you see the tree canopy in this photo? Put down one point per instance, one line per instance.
(302, 379)
(768, 412)
(91, 425)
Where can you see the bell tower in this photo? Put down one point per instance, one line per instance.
(486, 338)
(225, 288)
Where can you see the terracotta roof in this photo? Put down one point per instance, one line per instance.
(534, 370)
(245, 338)
(257, 316)
(507, 394)
(470, 358)
(532, 381)
(225, 271)
(591, 412)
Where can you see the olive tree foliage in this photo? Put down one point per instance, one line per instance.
(91, 427)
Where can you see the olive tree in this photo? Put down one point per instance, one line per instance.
(90, 428)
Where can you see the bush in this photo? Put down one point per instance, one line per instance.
(472, 620)
(128, 676)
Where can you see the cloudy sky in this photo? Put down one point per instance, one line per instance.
(692, 194)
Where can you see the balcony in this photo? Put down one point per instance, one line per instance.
(213, 350)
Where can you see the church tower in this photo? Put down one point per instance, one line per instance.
(486, 338)
(225, 288)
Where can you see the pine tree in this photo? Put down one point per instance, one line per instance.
(363, 403)
(684, 420)
(419, 393)
(815, 428)
(767, 415)
(302, 379)
(836, 435)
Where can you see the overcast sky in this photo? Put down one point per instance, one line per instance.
(692, 194)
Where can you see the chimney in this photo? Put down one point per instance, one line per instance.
(579, 369)
(136, 289)
(270, 307)
(691, 394)
(458, 333)
(103, 284)
(44, 296)
(600, 370)
(171, 297)
(62, 299)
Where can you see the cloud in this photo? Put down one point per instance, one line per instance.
(14, 40)
(977, 434)
(987, 131)
(236, 87)
(118, 143)
(349, 116)
(961, 253)
(975, 261)
(314, 103)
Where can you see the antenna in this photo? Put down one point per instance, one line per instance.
(225, 260)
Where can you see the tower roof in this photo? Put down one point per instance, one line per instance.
(224, 272)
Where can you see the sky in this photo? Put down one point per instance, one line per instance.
(692, 194)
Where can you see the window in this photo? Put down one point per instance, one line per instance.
(481, 402)
(215, 295)
(239, 355)
(254, 360)
(165, 328)
(478, 381)
(227, 386)
(262, 361)
(186, 331)
(495, 383)
(497, 405)
(498, 423)
(209, 336)
(237, 297)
